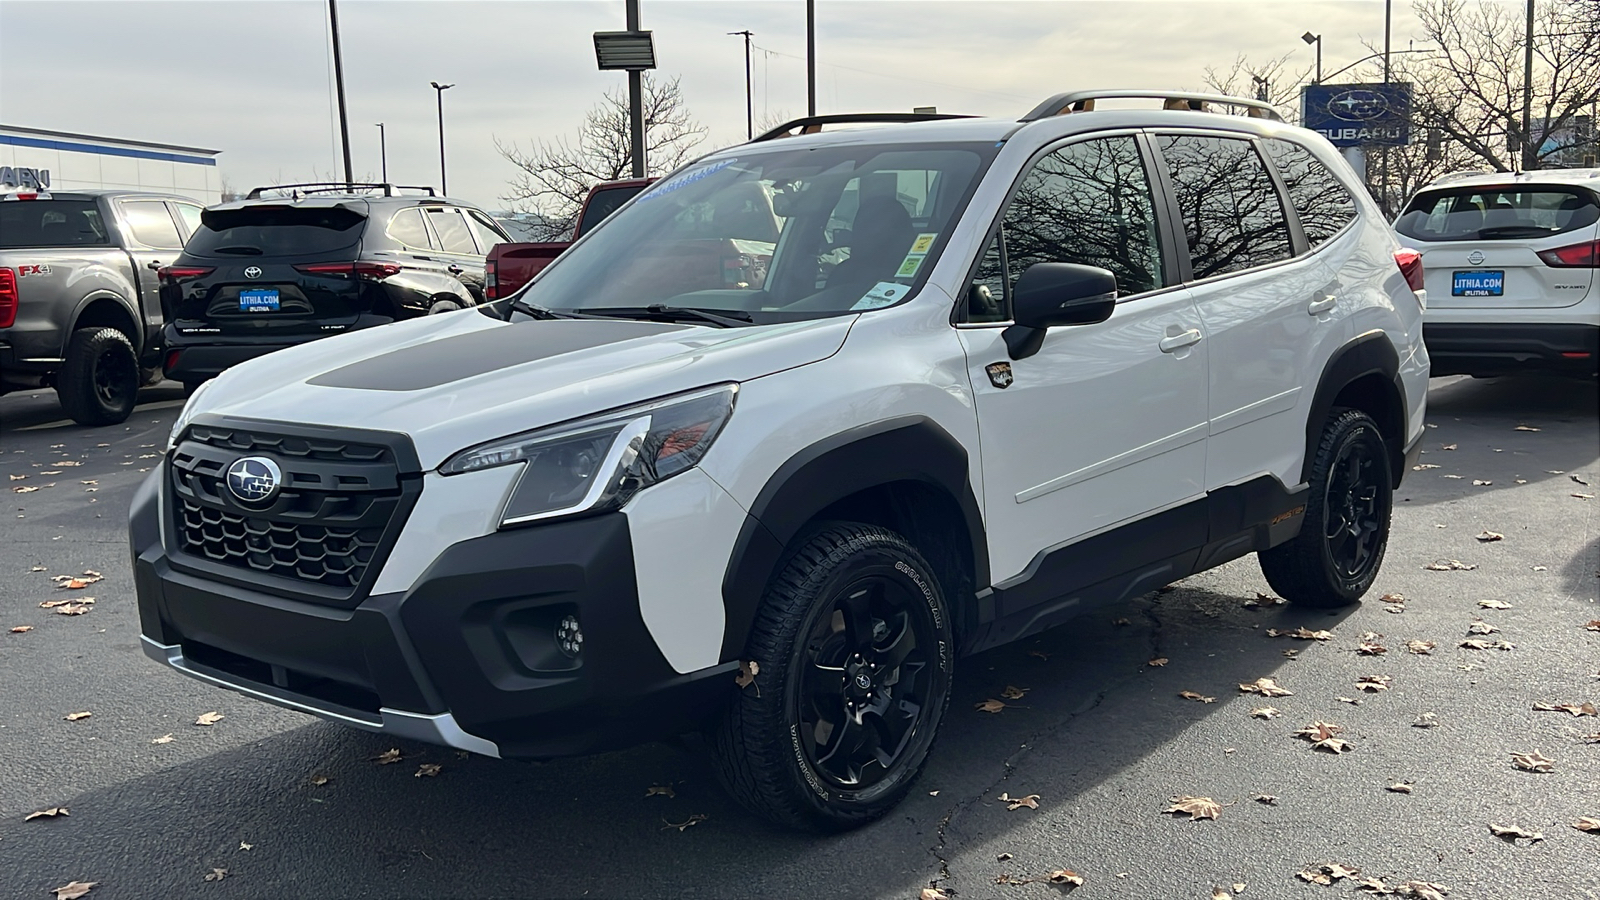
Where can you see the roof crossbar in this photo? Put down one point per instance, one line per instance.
(813, 124)
(1083, 101)
(336, 187)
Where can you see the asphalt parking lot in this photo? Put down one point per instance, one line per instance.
(284, 805)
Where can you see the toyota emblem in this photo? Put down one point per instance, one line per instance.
(254, 480)
(252, 272)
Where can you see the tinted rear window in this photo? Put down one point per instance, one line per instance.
(1489, 214)
(603, 203)
(275, 231)
(51, 223)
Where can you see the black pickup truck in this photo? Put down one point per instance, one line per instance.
(80, 305)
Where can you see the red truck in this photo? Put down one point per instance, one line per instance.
(510, 266)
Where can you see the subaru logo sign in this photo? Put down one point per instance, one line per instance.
(254, 480)
(1358, 105)
(253, 272)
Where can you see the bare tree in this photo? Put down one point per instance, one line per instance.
(1246, 78)
(555, 175)
(1471, 89)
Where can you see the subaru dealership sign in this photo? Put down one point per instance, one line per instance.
(1351, 115)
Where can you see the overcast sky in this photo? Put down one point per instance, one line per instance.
(254, 79)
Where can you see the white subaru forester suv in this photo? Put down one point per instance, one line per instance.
(796, 429)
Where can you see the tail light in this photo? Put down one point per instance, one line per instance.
(369, 270)
(178, 273)
(1577, 256)
(491, 280)
(1410, 263)
(172, 360)
(8, 297)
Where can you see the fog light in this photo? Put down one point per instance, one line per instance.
(569, 637)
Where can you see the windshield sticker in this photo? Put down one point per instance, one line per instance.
(884, 293)
(908, 269)
(687, 179)
(919, 247)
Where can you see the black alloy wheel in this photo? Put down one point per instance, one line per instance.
(1336, 556)
(99, 379)
(855, 650)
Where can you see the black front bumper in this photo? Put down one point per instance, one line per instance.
(1462, 348)
(467, 657)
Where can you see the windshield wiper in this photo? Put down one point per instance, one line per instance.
(721, 318)
(534, 311)
(1515, 231)
(239, 251)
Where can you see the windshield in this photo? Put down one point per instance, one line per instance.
(275, 231)
(1496, 213)
(776, 235)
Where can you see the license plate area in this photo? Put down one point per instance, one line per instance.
(1478, 283)
(258, 300)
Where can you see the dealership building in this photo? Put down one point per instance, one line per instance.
(64, 161)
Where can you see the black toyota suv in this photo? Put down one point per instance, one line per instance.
(293, 263)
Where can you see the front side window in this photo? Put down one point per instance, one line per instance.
(452, 231)
(1323, 204)
(775, 234)
(1232, 216)
(1496, 213)
(151, 224)
(1087, 203)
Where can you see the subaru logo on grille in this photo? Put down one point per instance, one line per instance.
(254, 479)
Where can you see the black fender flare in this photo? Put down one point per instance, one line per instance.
(1371, 353)
(137, 338)
(907, 448)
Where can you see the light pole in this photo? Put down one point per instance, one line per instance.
(632, 51)
(1530, 155)
(1316, 39)
(383, 153)
(338, 79)
(811, 57)
(1263, 88)
(749, 98)
(441, 88)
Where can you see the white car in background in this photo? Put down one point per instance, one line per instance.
(1510, 262)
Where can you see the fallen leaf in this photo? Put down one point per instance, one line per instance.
(1524, 428)
(21, 629)
(1328, 874)
(210, 718)
(1511, 834)
(1266, 687)
(73, 890)
(1579, 496)
(73, 717)
(1013, 692)
(1532, 762)
(1264, 712)
(1372, 886)
(1266, 799)
(1039, 653)
(244, 846)
(73, 609)
(1306, 634)
(28, 490)
(1448, 446)
(1489, 537)
(427, 770)
(748, 670)
(1393, 598)
(1291, 654)
(1481, 644)
(1579, 479)
(989, 706)
(1158, 662)
(1400, 787)
(1350, 700)
(1370, 649)
(1264, 600)
(660, 790)
(217, 875)
(1065, 876)
(1593, 625)
(320, 780)
(1015, 803)
(1479, 626)
(1576, 709)
(1421, 466)
(1493, 604)
(1372, 684)
(20, 478)
(1426, 720)
(1195, 808)
(1191, 695)
(50, 813)
(695, 819)
(164, 739)
(1002, 857)
(36, 568)
(1321, 736)
(1218, 893)
(1450, 565)
(388, 757)
(68, 462)
(1121, 622)
(1588, 823)
(1481, 483)
(933, 894)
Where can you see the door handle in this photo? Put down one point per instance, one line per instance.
(1179, 341)
(153, 265)
(1318, 307)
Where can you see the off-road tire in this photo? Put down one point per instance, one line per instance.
(99, 381)
(760, 754)
(1304, 570)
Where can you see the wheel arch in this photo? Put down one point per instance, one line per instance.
(1363, 374)
(907, 474)
(103, 309)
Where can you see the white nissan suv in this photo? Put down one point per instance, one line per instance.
(1510, 263)
(796, 429)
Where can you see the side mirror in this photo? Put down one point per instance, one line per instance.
(1051, 294)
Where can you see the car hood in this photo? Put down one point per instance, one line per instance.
(451, 381)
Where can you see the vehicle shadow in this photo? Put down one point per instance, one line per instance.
(586, 827)
(1475, 436)
(31, 409)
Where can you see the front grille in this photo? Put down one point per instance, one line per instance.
(324, 532)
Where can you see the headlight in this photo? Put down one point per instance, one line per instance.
(598, 463)
(190, 407)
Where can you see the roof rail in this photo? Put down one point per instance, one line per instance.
(813, 124)
(336, 187)
(1083, 101)
(1459, 174)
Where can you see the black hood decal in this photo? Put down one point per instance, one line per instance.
(461, 356)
